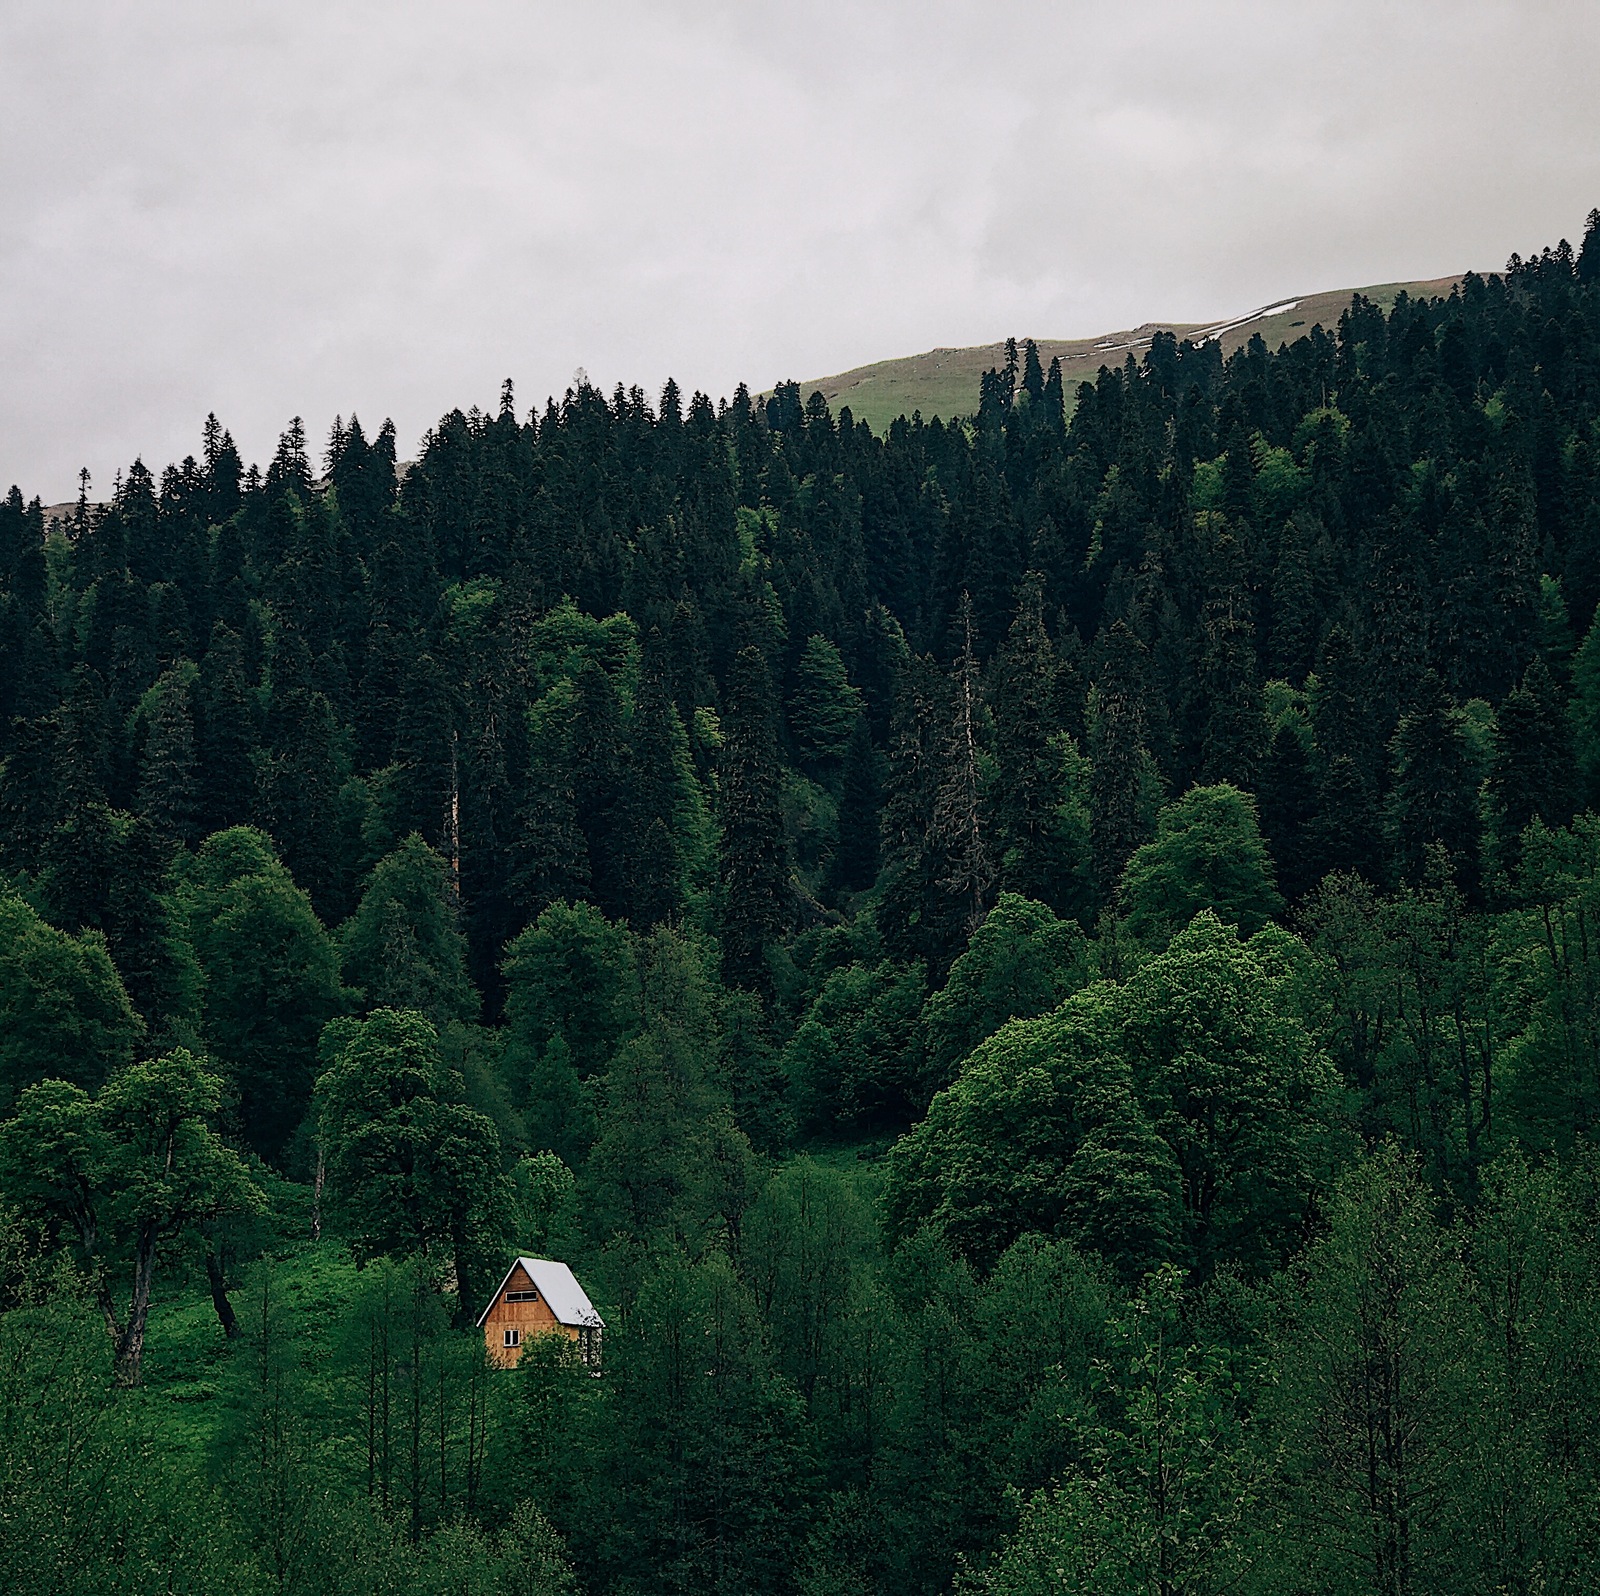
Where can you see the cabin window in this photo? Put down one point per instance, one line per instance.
(522, 1296)
(513, 1338)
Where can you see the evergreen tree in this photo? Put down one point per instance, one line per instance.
(755, 875)
(1289, 810)
(824, 707)
(853, 866)
(1531, 776)
(1025, 702)
(1434, 799)
(402, 948)
(1118, 756)
(167, 795)
(960, 830)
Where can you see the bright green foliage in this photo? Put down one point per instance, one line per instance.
(1020, 962)
(998, 1154)
(570, 974)
(1207, 854)
(63, 1010)
(1549, 1082)
(706, 1454)
(271, 976)
(526, 1558)
(824, 707)
(1186, 1111)
(1235, 1087)
(119, 1176)
(668, 1158)
(402, 947)
(544, 1208)
(1167, 1498)
(1369, 1397)
(413, 1170)
(856, 1061)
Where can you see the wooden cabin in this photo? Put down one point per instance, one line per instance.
(539, 1297)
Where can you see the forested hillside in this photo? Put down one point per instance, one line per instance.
(1044, 977)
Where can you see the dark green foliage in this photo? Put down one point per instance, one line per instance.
(1183, 1114)
(758, 779)
(1021, 961)
(63, 1009)
(414, 1170)
(271, 982)
(1207, 854)
(755, 875)
(1434, 800)
(402, 947)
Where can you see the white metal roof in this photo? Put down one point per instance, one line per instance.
(559, 1287)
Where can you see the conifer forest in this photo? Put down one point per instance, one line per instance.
(1042, 969)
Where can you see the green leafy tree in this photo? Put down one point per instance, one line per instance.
(63, 1010)
(1021, 961)
(271, 977)
(1165, 1497)
(1207, 854)
(403, 947)
(572, 974)
(413, 1170)
(1367, 1402)
(997, 1154)
(857, 1060)
(706, 1458)
(123, 1174)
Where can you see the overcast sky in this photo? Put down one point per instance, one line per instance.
(277, 207)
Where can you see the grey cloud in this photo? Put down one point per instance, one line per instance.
(278, 208)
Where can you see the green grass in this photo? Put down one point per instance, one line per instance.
(945, 382)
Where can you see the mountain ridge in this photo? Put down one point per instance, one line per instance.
(944, 381)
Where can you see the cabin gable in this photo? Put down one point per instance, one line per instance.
(521, 1309)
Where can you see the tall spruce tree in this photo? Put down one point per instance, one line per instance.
(755, 870)
(1118, 755)
(1433, 802)
(960, 839)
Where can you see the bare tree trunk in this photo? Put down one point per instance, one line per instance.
(316, 1195)
(130, 1346)
(217, 1278)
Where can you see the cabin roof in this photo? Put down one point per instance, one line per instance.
(559, 1287)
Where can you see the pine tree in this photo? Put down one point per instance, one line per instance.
(1117, 755)
(854, 865)
(598, 761)
(755, 874)
(167, 795)
(297, 789)
(1288, 809)
(960, 829)
(403, 947)
(824, 707)
(226, 737)
(1231, 745)
(1025, 703)
(1531, 777)
(1434, 798)
(655, 821)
